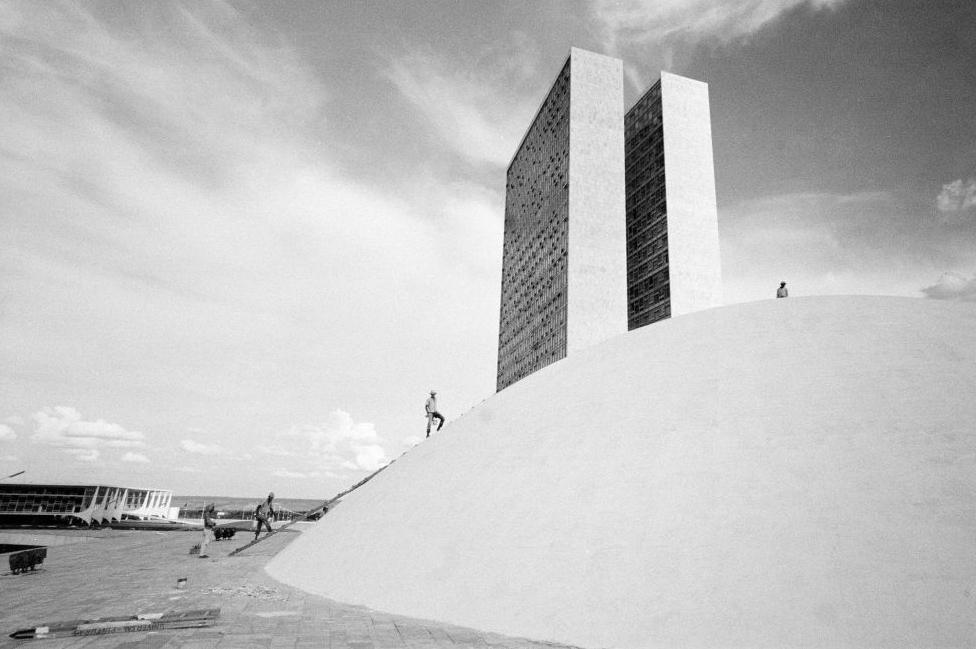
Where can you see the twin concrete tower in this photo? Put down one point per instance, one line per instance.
(610, 219)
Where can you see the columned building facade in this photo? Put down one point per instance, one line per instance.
(86, 504)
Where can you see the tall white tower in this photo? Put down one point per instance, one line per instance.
(564, 259)
(673, 263)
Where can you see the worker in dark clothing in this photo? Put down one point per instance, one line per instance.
(781, 291)
(263, 514)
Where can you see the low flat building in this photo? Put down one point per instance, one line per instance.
(58, 504)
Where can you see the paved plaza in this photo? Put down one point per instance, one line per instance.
(90, 574)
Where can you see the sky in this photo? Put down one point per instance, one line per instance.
(241, 241)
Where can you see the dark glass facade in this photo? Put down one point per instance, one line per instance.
(648, 286)
(49, 499)
(532, 317)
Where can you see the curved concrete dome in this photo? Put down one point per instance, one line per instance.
(796, 472)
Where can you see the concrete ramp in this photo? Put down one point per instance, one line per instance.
(788, 473)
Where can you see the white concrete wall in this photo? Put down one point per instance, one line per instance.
(597, 253)
(693, 251)
(785, 473)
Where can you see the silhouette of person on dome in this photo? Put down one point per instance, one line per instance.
(781, 291)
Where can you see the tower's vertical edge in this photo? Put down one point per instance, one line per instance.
(692, 219)
(597, 271)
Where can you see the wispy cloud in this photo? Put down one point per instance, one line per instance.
(65, 428)
(7, 433)
(130, 144)
(137, 458)
(655, 28)
(953, 286)
(170, 171)
(277, 451)
(84, 454)
(648, 21)
(200, 448)
(191, 171)
(480, 116)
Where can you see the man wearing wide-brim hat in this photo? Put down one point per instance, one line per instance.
(432, 414)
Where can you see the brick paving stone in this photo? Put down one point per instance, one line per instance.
(100, 573)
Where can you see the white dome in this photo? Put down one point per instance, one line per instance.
(796, 472)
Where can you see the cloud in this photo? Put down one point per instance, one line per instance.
(138, 458)
(199, 448)
(478, 115)
(655, 28)
(162, 126)
(338, 443)
(8, 458)
(84, 454)
(650, 21)
(276, 451)
(957, 196)
(7, 433)
(174, 172)
(64, 427)
(170, 174)
(866, 243)
(412, 441)
(370, 457)
(952, 286)
(14, 420)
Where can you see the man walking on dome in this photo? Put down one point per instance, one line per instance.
(263, 513)
(781, 291)
(432, 413)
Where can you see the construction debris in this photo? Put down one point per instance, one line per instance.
(266, 593)
(102, 625)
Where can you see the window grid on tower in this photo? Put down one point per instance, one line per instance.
(532, 317)
(648, 280)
